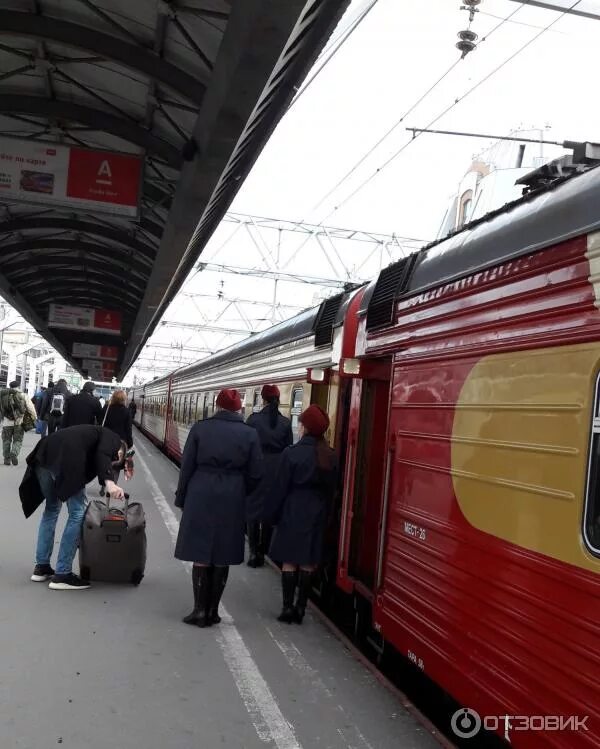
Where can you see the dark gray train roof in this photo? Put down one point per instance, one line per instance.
(547, 217)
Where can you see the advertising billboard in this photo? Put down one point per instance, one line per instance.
(91, 351)
(84, 318)
(55, 174)
(100, 370)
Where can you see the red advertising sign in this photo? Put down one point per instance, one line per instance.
(84, 318)
(106, 177)
(55, 174)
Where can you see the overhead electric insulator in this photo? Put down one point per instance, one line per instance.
(467, 41)
(471, 6)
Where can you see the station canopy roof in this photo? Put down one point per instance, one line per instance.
(126, 128)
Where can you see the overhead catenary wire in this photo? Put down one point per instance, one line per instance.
(408, 112)
(333, 49)
(457, 101)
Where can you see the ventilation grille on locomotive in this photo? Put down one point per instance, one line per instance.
(392, 283)
(326, 320)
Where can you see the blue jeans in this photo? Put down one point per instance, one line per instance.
(72, 532)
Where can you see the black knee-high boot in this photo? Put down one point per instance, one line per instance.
(288, 589)
(200, 585)
(304, 581)
(219, 577)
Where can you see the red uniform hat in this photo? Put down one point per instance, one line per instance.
(229, 400)
(315, 420)
(270, 391)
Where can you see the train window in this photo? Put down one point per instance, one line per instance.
(591, 530)
(257, 402)
(296, 410)
(209, 407)
(200, 407)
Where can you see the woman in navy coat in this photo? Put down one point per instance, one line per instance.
(275, 434)
(298, 505)
(221, 466)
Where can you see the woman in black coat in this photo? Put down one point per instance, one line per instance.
(221, 467)
(117, 417)
(275, 434)
(298, 505)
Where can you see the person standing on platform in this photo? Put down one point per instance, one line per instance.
(275, 434)
(298, 505)
(132, 409)
(222, 466)
(53, 406)
(117, 417)
(13, 406)
(83, 408)
(58, 470)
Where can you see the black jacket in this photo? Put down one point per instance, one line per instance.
(118, 420)
(299, 503)
(76, 456)
(273, 441)
(82, 409)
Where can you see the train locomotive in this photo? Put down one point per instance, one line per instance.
(463, 386)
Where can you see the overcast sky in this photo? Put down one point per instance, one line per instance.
(393, 57)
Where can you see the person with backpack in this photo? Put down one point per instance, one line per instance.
(275, 434)
(53, 406)
(83, 408)
(16, 407)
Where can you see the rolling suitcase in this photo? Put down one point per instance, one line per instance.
(113, 542)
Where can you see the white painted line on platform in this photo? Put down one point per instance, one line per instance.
(299, 663)
(267, 718)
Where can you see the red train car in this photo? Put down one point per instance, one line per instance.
(472, 505)
(464, 383)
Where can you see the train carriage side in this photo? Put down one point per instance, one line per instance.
(154, 410)
(300, 356)
(481, 368)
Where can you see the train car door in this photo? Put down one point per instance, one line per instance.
(365, 476)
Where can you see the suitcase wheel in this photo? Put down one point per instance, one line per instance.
(136, 577)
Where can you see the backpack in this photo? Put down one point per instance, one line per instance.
(11, 404)
(57, 407)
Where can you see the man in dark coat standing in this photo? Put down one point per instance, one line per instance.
(58, 470)
(222, 465)
(275, 434)
(298, 505)
(83, 408)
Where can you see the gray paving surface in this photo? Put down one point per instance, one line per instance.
(114, 667)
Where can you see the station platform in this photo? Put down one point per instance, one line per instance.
(114, 666)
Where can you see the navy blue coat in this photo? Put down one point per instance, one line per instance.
(273, 441)
(222, 465)
(299, 504)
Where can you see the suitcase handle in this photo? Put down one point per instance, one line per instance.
(121, 517)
